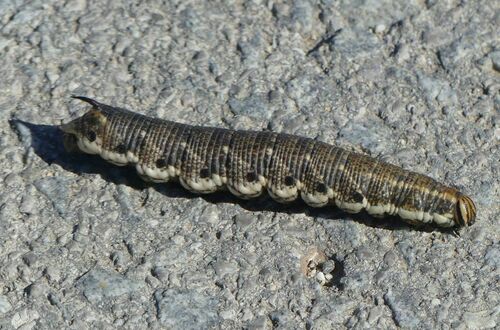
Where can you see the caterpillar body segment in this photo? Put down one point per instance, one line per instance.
(247, 163)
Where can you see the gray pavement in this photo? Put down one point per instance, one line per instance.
(84, 244)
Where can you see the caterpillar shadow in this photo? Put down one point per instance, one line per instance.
(46, 142)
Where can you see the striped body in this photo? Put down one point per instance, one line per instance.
(206, 159)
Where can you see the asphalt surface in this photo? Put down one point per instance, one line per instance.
(84, 244)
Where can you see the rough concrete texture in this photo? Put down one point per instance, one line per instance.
(84, 244)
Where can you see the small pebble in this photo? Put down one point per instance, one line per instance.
(380, 28)
(243, 220)
(5, 305)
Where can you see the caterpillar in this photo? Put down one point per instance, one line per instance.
(207, 159)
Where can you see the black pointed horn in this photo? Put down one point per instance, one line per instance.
(87, 99)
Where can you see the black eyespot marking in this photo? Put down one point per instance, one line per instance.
(161, 163)
(204, 173)
(91, 136)
(251, 176)
(121, 148)
(321, 188)
(289, 181)
(357, 197)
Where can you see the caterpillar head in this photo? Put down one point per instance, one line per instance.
(465, 211)
(453, 209)
(86, 132)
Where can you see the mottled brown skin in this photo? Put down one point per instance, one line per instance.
(206, 159)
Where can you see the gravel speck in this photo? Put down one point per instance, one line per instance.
(5, 306)
(56, 190)
(185, 309)
(403, 315)
(99, 284)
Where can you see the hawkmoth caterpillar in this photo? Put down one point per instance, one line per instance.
(206, 159)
